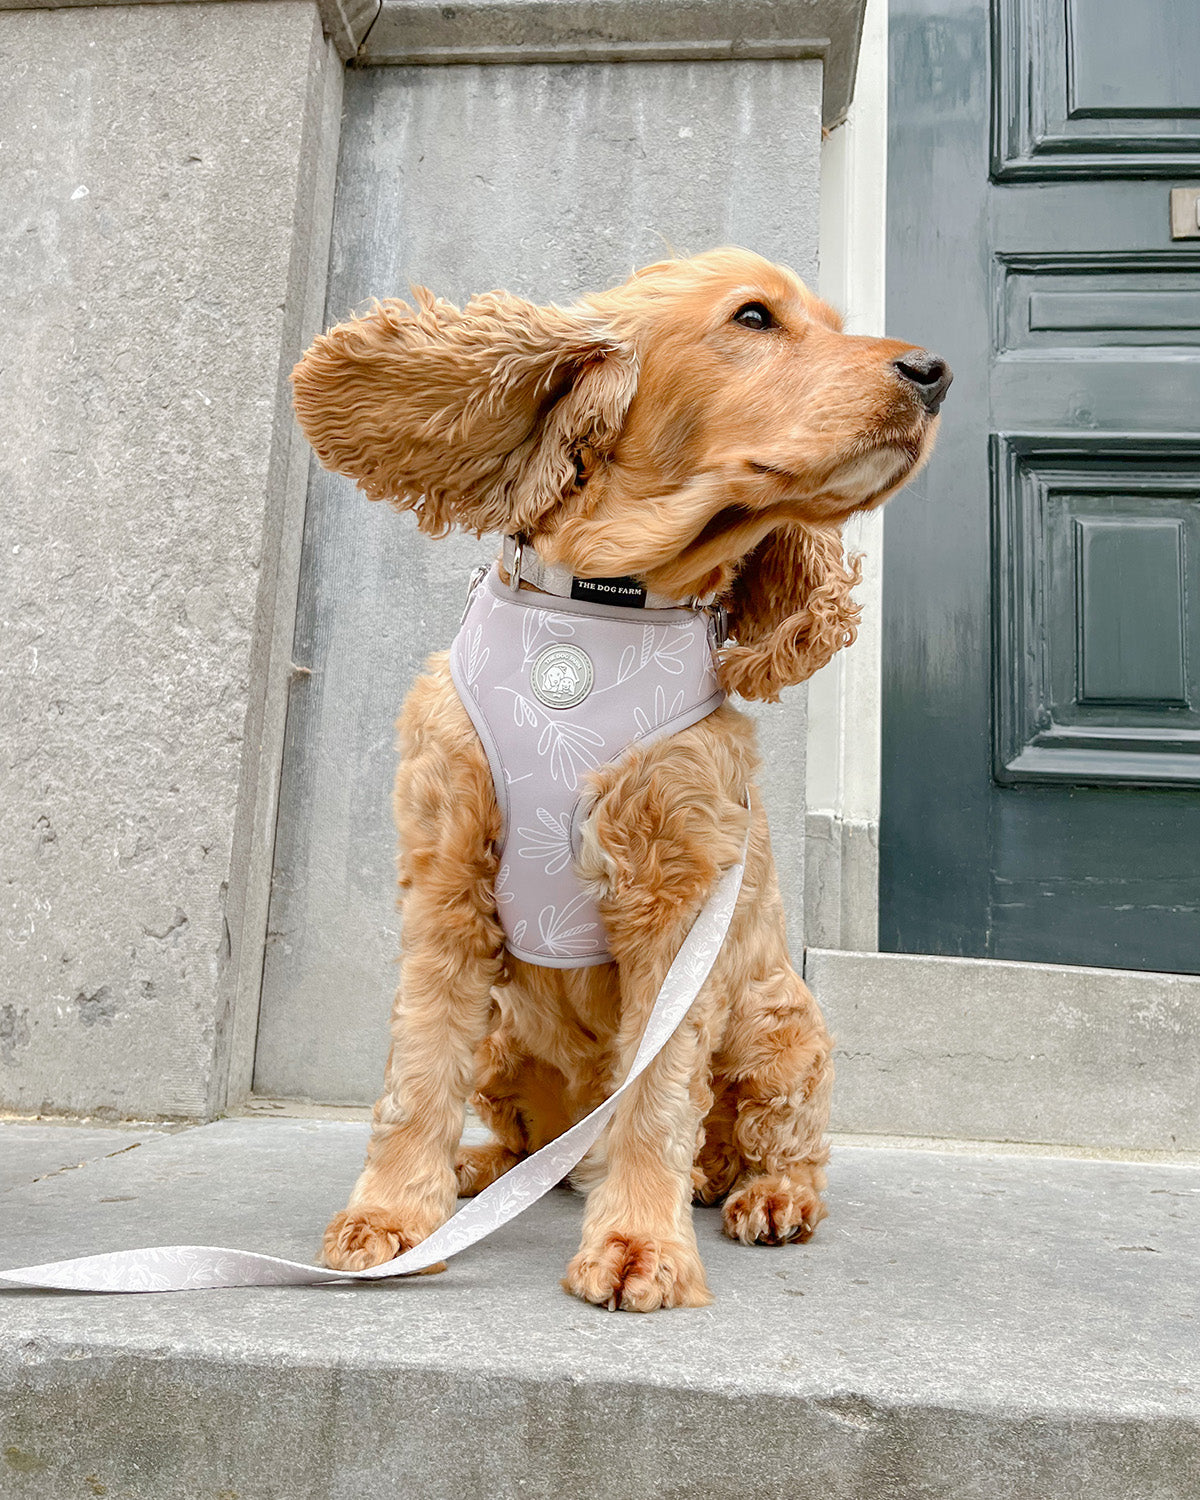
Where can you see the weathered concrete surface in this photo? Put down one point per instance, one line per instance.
(502, 31)
(550, 181)
(961, 1328)
(427, 31)
(153, 166)
(345, 22)
(33, 1149)
(841, 881)
(1013, 1052)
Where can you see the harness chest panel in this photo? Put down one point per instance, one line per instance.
(557, 688)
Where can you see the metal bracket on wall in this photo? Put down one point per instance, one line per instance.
(1185, 213)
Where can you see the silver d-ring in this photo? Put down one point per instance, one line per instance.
(718, 618)
(477, 578)
(514, 573)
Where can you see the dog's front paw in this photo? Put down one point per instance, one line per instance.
(634, 1273)
(773, 1211)
(359, 1238)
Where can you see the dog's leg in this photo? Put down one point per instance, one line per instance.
(452, 956)
(664, 848)
(718, 1163)
(520, 1099)
(443, 1005)
(639, 1251)
(776, 1076)
(498, 1064)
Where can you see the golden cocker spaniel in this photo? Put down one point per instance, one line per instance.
(705, 427)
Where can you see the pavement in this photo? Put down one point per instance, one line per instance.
(968, 1324)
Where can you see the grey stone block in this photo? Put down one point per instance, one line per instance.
(841, 883)
(549, 180)
(346, 22)
(962, 1327)
(986, 1050)
(507, 31)
(153, 209)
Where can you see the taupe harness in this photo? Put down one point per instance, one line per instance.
(558, 687)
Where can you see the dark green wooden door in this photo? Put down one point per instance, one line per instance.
(1041, 698)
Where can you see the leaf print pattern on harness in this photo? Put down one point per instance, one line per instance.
(562, 940)
(539, 623)
(663, 713)
(563, 746)
(653, 675)
(550, 844)
(475, 656)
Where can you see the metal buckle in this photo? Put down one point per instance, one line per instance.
(718, 618)
(514, 573)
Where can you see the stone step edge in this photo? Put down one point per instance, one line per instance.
(986, 1049)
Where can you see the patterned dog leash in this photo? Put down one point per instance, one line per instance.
(178, 1268)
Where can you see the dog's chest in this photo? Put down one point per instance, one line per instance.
(557, 688)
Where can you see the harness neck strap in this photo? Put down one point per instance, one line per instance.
(523, 565)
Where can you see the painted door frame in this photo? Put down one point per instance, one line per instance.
(844, 706)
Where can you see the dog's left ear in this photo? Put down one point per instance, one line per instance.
(790, 611)
(471, 417)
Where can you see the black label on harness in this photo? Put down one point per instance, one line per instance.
(626, 591)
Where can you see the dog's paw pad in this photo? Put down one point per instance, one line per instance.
(634, 1273)
(773, 1211)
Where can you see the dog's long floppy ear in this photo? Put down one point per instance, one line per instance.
(790, 611)
(470, 417)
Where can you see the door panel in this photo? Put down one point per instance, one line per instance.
(1094, 87)
(1097, 666)
(1097, 301)
(1132, 60)
(1041, 786)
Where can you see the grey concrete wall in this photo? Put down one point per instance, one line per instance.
(550, 180)
(157, 243)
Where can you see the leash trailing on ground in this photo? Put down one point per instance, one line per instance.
(180, 1268)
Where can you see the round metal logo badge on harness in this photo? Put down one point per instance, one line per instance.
(561, 676)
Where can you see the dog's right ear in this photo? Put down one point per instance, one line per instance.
(471, 417)
(790, 610)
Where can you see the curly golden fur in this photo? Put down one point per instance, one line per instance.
(658, 430)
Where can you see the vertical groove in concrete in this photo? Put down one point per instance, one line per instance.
(272, 669)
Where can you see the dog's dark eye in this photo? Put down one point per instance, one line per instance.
(754, 315)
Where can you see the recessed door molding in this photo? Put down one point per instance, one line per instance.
(1060, 110)
(1096, 665)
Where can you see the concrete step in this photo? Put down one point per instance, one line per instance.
(967, 1325)
(981, 1049)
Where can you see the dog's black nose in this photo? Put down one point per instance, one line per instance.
(928, 374)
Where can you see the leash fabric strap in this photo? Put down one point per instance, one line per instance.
(179, 1268)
